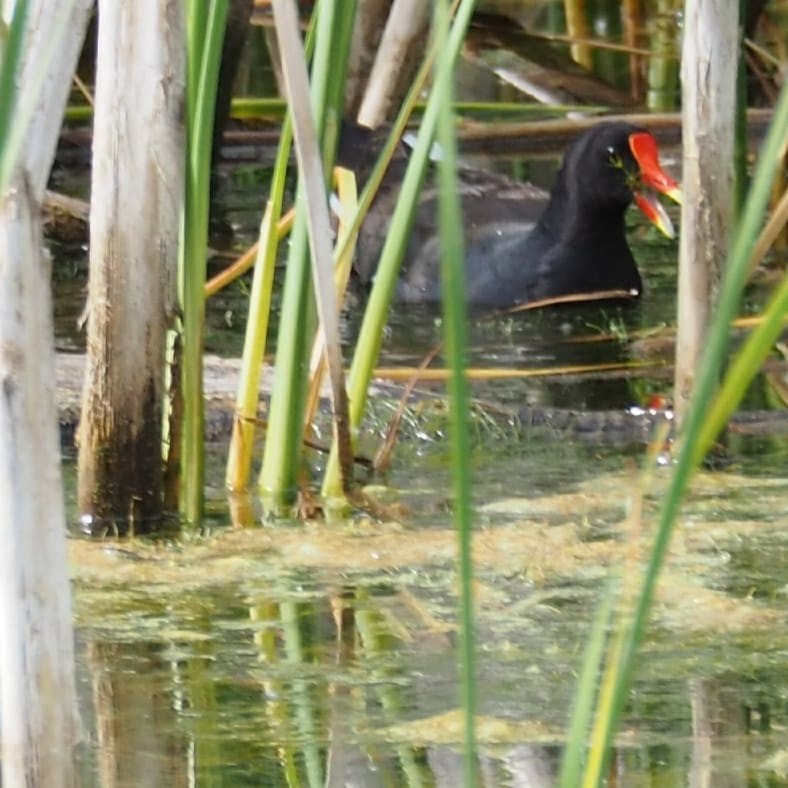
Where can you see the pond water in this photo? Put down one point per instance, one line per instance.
(326, 654)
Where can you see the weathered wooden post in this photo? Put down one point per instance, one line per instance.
(136, 200)
(37, 694)
(407, 24)
(368, 28)
(708, 73)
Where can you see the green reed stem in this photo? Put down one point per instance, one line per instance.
(282, 453)
(239, 460)
(582, 714)
(205, 34)
(698, 434)
(455, 321)
(10, 57)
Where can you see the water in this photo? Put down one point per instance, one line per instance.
(248, 656)
(313, 653)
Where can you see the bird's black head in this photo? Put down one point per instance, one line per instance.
(600, 166)
(610, 165)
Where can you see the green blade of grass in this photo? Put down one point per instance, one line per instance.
(690, 447)
(203, 70)
(239, 458)
(13, 37)
(574, 752)
(455, 321)
(743, 369)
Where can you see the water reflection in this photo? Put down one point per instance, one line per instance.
(288, 720)
(312, 655)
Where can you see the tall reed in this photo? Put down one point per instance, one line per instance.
(710, 407)
(455, 321)
(239, 458)
(205, 33)
(313, 180)
(282, 452)
(10, 58)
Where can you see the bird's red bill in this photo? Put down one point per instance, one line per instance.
(644, 149)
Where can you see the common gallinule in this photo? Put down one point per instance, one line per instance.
(522, 245)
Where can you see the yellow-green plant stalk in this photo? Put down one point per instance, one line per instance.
(239, 459)
(585, 750)
(577, 27)
(241, 442)
(577, 735)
